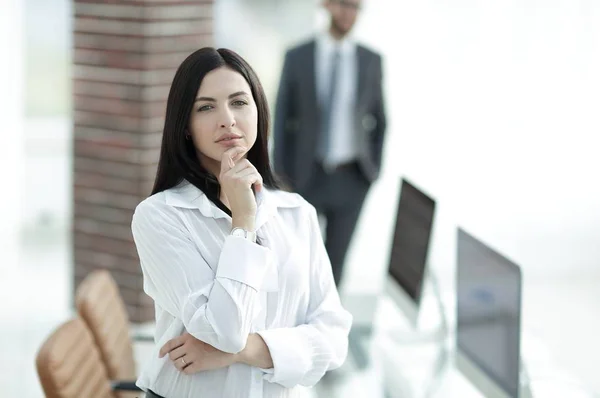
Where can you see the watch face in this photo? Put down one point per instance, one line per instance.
(238, 232)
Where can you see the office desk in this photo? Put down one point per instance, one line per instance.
(406, 367)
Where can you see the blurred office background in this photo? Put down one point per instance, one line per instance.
(492, 107)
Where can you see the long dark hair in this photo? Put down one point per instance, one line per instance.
(178, 159)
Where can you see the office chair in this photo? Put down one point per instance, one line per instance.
(100, 305)
(69, 365)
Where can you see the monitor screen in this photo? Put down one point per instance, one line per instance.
(489, 311)
(410, 245)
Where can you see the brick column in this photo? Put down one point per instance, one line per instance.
(125, 56)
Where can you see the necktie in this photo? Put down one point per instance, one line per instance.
(327, 107)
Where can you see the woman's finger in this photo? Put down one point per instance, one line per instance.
(241, 166)
(170, 345)
(258, 185)
(251, 177)
(254, 179)
(192, 368)
(181, 363)
(177, 353)
(229, 158)
(246, 172)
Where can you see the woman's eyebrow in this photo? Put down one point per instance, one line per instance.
(210, 99)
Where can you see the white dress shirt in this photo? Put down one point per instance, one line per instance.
(343, 146)
(219, 288)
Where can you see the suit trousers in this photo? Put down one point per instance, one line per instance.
(338, 195)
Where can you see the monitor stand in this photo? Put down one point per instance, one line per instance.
(437, 335)
(425, 333)
(364, 308)
(525, 385)
(365, 323)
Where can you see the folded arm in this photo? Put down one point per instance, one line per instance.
(301, 355)
(215, 307)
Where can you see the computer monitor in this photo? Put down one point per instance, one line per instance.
(488, 315)
(409, 250)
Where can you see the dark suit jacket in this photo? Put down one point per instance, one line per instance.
(297, 116)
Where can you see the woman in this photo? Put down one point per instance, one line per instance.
(244, 295)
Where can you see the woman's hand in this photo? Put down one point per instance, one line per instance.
(236, 179)
(190, 355)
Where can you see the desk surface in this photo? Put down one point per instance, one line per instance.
(415, 369)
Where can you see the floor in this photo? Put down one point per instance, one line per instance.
(562, 312)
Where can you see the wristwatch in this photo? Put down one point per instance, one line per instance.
(242, 233)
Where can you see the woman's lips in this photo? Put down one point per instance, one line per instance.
(229, 142)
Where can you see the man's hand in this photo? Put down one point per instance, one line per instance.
(190, 355)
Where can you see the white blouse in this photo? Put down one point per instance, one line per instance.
(220, 288)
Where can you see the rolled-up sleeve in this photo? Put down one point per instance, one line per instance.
(215, 307)
(302, 354)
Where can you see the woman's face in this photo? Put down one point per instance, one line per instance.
(224, 115)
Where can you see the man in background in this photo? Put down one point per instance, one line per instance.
(330, 124)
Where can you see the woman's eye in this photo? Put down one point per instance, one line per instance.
(204, 108)
(240, 103)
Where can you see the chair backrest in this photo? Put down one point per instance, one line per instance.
(100, 305)
(69, 364)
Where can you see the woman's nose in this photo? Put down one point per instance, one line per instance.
(227, 119)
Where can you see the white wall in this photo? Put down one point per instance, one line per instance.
(494, 109)
(261, 31)
(11, 115)
(47, 137)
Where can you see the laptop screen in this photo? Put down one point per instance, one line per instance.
(489, 311)
(410, 244)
